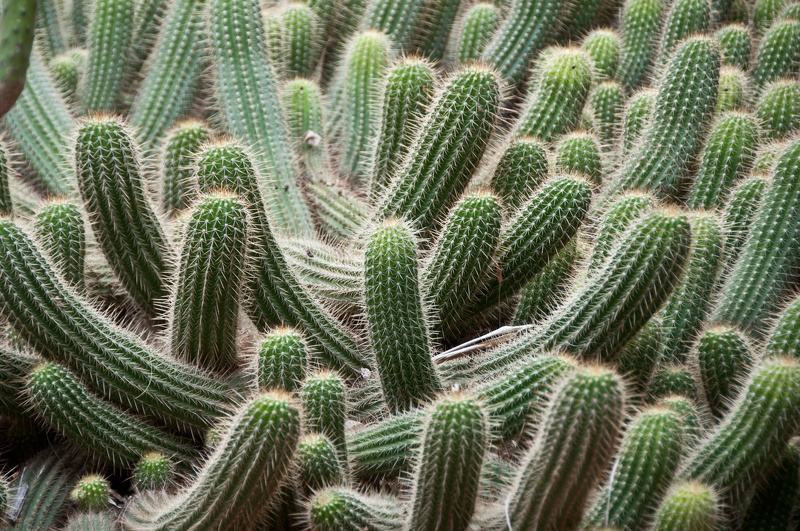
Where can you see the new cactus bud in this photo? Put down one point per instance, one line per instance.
(726, 158)
(339, 509)
(638, 113)
(521, 169)
(684, 18)
(734, 90)
(109, 48)
(783, 338)
(181, 147)
(643, 470)
(447, 475)
(640, 23)
(574, 445)
(475, 30)
(734, 45)
(92, 493)
(325, 409)
(564, 77)
(153, 471)
(603, 46)
(396, 322)
(778, 108)
(579, 153)
(281, 360)
(724, 358)
(318, 463)
(61, 234)
(689, 506)
(777, 52)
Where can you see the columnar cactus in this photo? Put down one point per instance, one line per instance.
(475, 30)
(689, 506)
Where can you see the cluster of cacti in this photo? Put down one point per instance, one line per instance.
(377, 265)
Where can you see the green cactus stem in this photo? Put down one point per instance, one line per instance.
(154, 471)
(17, 25)
(724, 358)
(738, 215)
(522, 168)
(548, 288)
(91, 493)
(778, 108)
(689, 506)
(734, 44)
(181, 146)
(61, 234)
(784, 335)
(734, 90)
(777, 52)
(318, 464)
(281, 360)
(640, 27)
(603, 46)
(580, 153)
(109, 48)
(684, 18)
(325, 409)
(338, 509)
(638, 113)
(474, 32)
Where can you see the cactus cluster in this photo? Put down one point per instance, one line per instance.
(399, 265)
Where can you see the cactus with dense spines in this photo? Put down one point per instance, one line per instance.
(734, 90)
(563, 80)
(91, 493)
(302, 106)
(684, 18)
(723, 359)
(640, 357)
(783, 338)
(538, 230)
(6, 203)
(575, 443)
(525, 30)
(153, 471)
(14, 369)
(338, 509)
(734, 45)
(764, 12)
(640, 27)
(685, 311)
(277, 295)
(17, 25)
(753, 432)
(102, 430)
(776, 56)
(642, 472)
(407, 92)
(325, 409)
(685, 103)
(774, 506)
(727, 157)
(61, 234)
(607, 101)
(40, 124)
(791, 11)
(181, 147)
(434, 27)
(4, 498)
(445, 483)
(738, 215)
(337, 210)
(396, 322)
(65, 328)
(172, 79)
(579, 153)
(548, 288)
(318, 463)
(672, 379)
(396, 19)
(457, 129)
(689, 506)
(463, 253)
(92, 521)
(281, 360)
(638, 112)
(603, 46)
(67, 71)
(778, 108)
(121, 214)
(693, 421)
(616, 220)
(300, 41)
(761, 277)
(474, 32)
(40, 493)
(109, 48)
(521, 169)
(249, 465)
(204, 321)
(247, 91)
(386, 447)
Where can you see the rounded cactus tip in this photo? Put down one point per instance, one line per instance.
(154, 471)
(91, 493)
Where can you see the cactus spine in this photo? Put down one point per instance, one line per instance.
(579, 153)
(91, 493)
(783, 336)
(734, 44)
(153, 471)
(640, 27)
(345, 510)
(778, 108)
(684, 18)
(775, 57)
(603, 46)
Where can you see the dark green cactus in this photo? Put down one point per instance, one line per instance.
(637, 116)
(397, 19)
(783, 336)
(548, 288)
(474, 31)
(281, 360)
(109, 48)
(619, 216)
(181, 147)
(579, 153)
(684, 18)
(734, 44)
(777, 52)
(672, 379)
(607, 102)
(775, 504)
(778, 108)
(61, 234)
(738, 215)
(318, 463)
(640, 27)
(153, 471)
(521, 169)
(325, 409)
(724, 358)
(340, 509)
(603, 46)
(17, 24)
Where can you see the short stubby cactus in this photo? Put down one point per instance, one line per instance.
(724, 358)
(689, 506)
(92, 493)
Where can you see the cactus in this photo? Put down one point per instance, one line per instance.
(325, 409)
(640, 27)
(548, 288)
(692, 420)
(778, 108)
(738, 215)
(300, 41)
(122, 216)
(689, 506)
(672, 380)
(318, 463)
(457, 128)
(17, 22)
(205, 303)
(339, 509)
(445, 485)
(764, 12)
(644, 467)
(637, 116)
(302, 105)
(619, 216)
(564, 78)
(753, 433)
(774, 505)
(607, 101)
(67, 70)
(397, 20)
(153, 471)
(734, 45)
(434, 27)
(726, 158)
(734, 90)
(523, 33)
(775, 56)
(396, 322)
(61, 234)
(603, 46)
(521, 169)
(474, 32)
(406, 94)
(760, 278)
(640, 356)
(109, 45)
(281, 360)
(783, 336)
(91, 493)
(724, 358)
(181, 147)
(579, 153)
(40, 493)
(92, 522)
(684, 18)
(575, 443)
(102, 430)
(248, 465)
(14, 369)
(674, 134)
